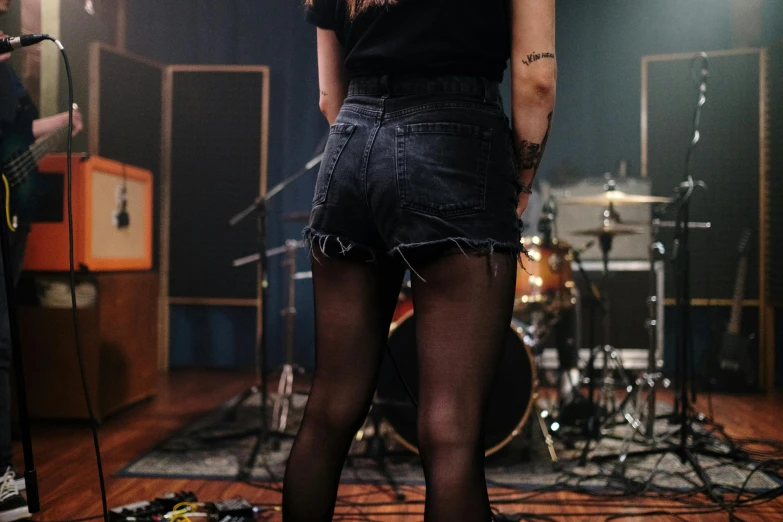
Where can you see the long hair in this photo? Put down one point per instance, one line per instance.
(356, 7)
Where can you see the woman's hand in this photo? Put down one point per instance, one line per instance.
(44, 126)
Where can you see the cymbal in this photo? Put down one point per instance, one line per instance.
(616, 229)
(615, 197)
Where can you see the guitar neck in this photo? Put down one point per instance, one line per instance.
(48, 143)
(739, 292)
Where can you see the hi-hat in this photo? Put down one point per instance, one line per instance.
(612, 229)
(615, 197)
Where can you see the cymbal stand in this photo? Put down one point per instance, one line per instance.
(260, 209)
(607, 397)
(687, 448)
(649, 380)
(285, 386)
(653, 379)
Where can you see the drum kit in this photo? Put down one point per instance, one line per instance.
(546, 292)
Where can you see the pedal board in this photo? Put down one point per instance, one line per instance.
(232, 510)
(150, 511)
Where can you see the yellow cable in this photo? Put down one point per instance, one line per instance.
(8, 205)
(190, 505)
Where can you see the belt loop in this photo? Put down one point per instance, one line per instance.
(385, 84)
(485, 84)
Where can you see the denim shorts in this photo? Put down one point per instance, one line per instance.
(417, 166)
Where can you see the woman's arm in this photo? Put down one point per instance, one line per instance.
(332, 78)
(534, 78)
(44, 126)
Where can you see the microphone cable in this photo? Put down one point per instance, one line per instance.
(72, 274)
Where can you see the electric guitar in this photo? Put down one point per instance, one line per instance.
(735, 369)
(19, 156)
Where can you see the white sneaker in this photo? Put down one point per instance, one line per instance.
(12, 505)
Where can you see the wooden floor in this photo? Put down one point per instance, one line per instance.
(69, 483)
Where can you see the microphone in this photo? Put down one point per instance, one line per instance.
(12, 43)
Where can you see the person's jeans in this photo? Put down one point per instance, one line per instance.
(18, 242)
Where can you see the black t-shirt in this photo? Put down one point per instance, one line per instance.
(9, 97)
(421, 37)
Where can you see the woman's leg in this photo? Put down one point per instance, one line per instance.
(354, 303)
(463, 313)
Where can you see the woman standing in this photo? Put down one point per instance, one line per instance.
(421, 171)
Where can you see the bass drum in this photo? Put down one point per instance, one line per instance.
(511, 400)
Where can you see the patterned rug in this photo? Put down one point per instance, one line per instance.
(215, 448)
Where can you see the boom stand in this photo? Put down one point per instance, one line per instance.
(260, 208)
(609, 352)
(30, 476)
(687, 453)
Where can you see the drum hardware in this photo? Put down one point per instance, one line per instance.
(285, 385)
(688, 446)
(611, 359)
(657, 222)
(548, 440)
(260, 209)
(303, 215)
(547, 223)
(375, 448)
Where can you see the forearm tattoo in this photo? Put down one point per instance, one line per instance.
(323, 93)
(534, 57)
(529, 154)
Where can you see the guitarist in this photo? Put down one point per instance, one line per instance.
(13, 99)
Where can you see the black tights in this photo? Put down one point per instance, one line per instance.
(462, 313)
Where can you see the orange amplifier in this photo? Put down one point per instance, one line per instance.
(112, 217)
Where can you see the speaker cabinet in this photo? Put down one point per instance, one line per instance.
(118, 320)
(112, 217)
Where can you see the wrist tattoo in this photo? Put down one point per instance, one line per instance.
(323, 93)
(534, 57)
(529, 154)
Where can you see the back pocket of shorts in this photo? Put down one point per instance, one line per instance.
(339, 134)
(442, 167)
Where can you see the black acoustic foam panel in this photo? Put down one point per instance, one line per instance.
(215, 172)
(727, 160)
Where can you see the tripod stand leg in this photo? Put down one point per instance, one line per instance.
(377, 451)
(550, 444)
(688, 456)
(282, 405)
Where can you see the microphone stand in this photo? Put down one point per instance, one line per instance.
(30, 476)
(260, 208)
(682, 409)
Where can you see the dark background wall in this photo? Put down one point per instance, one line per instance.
(262, 32)
(600, 45)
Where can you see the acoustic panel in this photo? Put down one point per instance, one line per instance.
(126, 95)
(727, 159)
(218, 133)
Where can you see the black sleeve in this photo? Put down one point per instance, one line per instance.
(320, 14)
